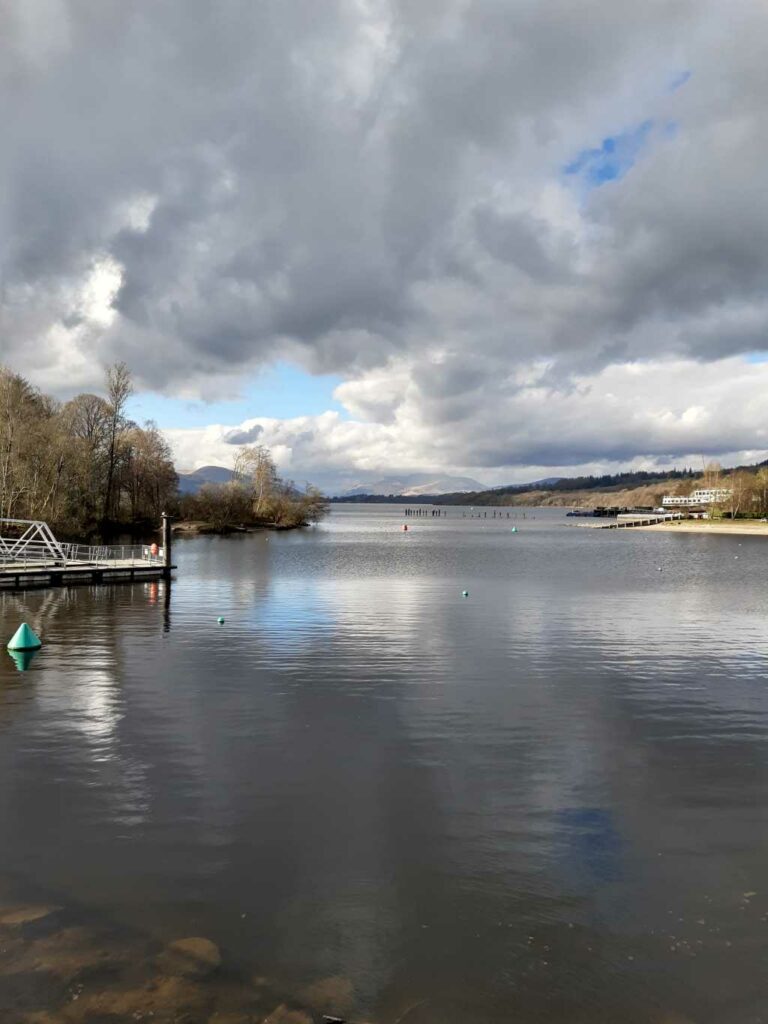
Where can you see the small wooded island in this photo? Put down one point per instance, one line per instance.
(256, 497)
(90, 472)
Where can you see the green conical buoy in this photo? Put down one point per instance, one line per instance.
(24, 639)
(23, 659)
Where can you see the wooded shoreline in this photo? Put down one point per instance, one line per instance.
(200, 528)
(92, 474)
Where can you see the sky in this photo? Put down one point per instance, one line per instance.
(502, 239)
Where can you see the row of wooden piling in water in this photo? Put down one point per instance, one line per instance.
(439, 513)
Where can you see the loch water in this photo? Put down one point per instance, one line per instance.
(546, 801)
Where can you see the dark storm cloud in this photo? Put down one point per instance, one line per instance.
(248, 436)
(524, 241)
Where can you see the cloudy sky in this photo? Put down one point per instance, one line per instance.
(499, 238)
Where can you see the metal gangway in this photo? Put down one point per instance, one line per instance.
(30, 544)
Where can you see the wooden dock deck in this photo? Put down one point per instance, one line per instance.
(626, 522)
(23, 577)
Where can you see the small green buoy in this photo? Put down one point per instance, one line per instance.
(220, 620)
(23, 659)
(24, 639)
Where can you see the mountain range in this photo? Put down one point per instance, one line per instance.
(409, 484)
(413, 485)
(190, 483)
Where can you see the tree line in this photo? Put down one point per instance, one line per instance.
(87, 469)
(607, 482)
(83, 465)
(748, 487)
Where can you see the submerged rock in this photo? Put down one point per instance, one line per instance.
(167, 999)
(193, 957)
(42, 1017)
(334, 995)
(65, 955)
(14, 917)
(74, 951)
(283, 1015)
(10, 947)
(25, 992)
(234, 1017)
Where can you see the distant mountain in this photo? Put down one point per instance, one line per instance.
(190, 483)
(547, 481)
(413, 485)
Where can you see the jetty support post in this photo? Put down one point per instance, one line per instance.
(167, 560)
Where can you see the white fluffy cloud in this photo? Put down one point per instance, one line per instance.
(403, 194)
(673, 412)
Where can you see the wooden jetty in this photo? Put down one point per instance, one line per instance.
(30, 556)
(625, 522)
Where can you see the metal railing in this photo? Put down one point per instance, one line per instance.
(34, 546)
(103, 554)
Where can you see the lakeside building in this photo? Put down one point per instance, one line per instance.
(703, 496)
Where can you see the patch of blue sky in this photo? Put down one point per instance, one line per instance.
(611, 160)
(679, 80)
(757, 357)
(281, 392)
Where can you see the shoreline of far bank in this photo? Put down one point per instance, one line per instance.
(734, 527)
(200, 528)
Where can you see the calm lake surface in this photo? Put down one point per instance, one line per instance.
(547, 801)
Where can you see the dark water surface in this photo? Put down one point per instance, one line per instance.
(543, 802)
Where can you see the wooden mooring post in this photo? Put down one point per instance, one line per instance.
(167, 534)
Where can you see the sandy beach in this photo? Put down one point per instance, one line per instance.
(735, 527)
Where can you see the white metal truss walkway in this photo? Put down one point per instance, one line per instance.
(30, 544)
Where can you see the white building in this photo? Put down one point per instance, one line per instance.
(703, 496)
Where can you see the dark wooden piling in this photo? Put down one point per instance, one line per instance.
(167, 560)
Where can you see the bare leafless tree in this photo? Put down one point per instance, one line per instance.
(119, 390)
